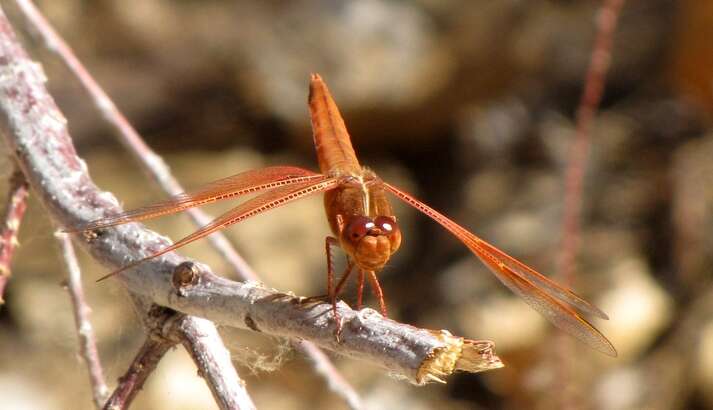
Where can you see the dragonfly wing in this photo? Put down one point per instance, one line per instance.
(542, 294)
(542, 281)
(240, 184)
(559, 314)
(260, 204)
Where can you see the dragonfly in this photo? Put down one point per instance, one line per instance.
(362, 222)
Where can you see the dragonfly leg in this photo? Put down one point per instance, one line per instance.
(334, 291)
(328, 242)
(378, 292)
(343, 279)
(360, 289)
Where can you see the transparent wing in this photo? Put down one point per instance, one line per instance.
(545, 296)
(240, 184)
(261, 203)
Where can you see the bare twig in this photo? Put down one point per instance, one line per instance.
(15, 206)
(579, 150)
(157, 170)
(576, 166)
(335, 381)
(143, 365)
(87, 342)
(201, 340)
(36, 132)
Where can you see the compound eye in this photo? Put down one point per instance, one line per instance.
(358, 228)
(386, 225)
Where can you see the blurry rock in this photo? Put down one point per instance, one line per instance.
(515, 216)
(604, 246)
(704, 363)
(693, 209)
(464, 281)
(487, 192)
(638, 308)
(394, 394)
(43, 310)
(496, 127)
(504, 319)
(556, 132)
(175, 384)
(369, 52)
(611, 139)
(620, 389)
(20, 393)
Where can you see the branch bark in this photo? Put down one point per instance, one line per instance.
(36, 132)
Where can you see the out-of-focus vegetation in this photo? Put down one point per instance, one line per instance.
(468, 104)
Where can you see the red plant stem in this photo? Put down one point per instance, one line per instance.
(133, 380)
(15, 207)
(600, 60)
(85, 332)
(157, 170)
(579, 150)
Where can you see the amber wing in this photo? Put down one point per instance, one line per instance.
(554, 302)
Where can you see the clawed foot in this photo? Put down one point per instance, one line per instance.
(335, 315)
(337, 327)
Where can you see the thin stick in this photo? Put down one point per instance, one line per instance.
(590, 99)
(579, 150)
(202, 341)
(153, 165)
(141, 367)
(85, 332)
(14, 210)
(335, 381)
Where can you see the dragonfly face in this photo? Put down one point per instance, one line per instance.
(370, 241)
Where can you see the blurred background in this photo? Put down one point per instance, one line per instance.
(467, 104)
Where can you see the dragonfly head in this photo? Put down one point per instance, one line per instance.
(371, 242)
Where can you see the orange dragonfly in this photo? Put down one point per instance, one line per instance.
(362, 221)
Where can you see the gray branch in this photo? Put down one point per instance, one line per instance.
(203, 343)
(85, 331)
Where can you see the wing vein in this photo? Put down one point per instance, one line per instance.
(264, 202)
(240, 184)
